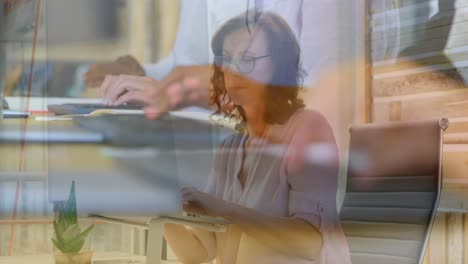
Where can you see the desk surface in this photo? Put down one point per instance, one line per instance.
(40, 103)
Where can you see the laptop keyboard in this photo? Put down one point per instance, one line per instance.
(166, 132)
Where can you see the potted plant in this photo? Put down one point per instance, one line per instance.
(69, 239)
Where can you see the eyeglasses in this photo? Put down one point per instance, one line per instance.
(243, 64)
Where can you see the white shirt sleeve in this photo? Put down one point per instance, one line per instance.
(318, 37)
(192, 43)
(161, 69)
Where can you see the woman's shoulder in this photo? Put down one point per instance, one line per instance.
(308, 121)
(305, 115)
(312, 143)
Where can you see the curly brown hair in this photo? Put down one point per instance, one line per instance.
(282, 91)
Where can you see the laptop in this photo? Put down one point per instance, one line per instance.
(7, 113)
(140, 184)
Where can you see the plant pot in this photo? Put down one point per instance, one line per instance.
(83, 257)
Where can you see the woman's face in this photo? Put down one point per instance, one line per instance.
(247, 66)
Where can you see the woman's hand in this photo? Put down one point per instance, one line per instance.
(197, 202)
(270, 230)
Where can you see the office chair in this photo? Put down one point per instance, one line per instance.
(393, 190)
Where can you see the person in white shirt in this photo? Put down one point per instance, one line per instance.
(313, 22)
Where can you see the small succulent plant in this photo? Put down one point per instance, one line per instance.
(68, 235)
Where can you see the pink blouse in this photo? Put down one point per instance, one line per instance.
(309, 194)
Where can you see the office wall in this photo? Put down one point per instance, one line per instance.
(69, 21)
(419, 59)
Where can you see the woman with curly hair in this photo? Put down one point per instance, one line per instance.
(277, 215)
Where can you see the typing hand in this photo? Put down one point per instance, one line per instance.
(127, 65)
(184, 86)
(117, 90)
(197, 202)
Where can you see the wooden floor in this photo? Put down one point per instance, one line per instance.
(449, 240)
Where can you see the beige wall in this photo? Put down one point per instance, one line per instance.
(148, 29)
